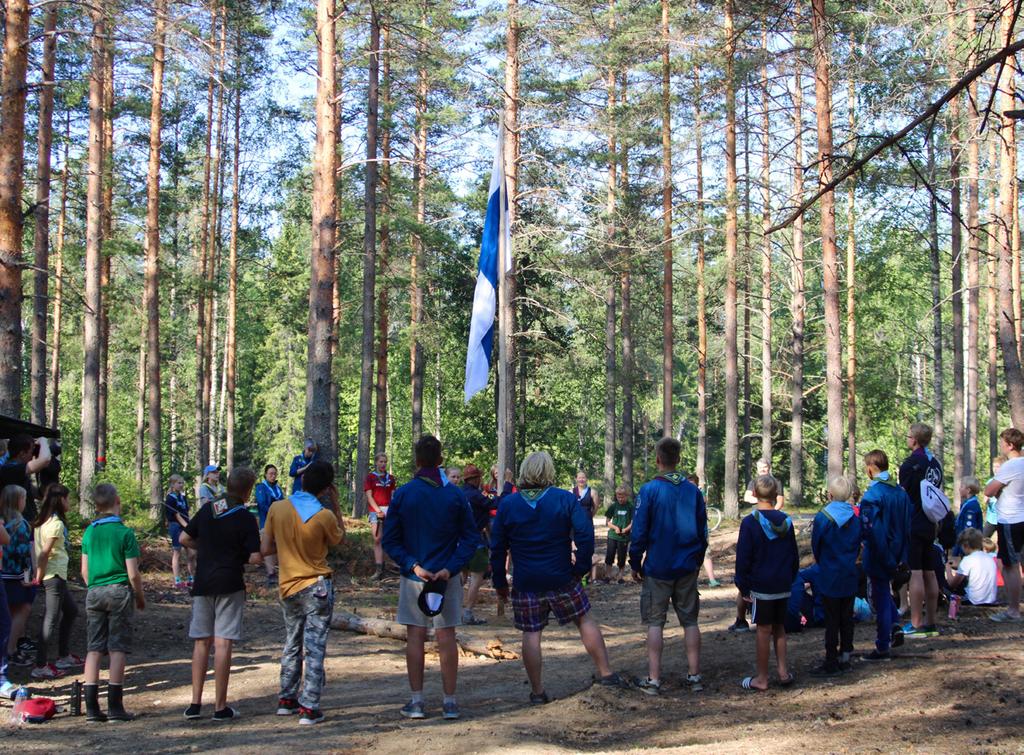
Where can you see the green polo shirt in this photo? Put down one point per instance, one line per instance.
(109, 545)
(621, 515)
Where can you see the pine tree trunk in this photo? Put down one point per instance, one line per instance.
(12, 137)
(58, 285)
(140, 407)
(796, 305)
(666, 212)
(702, 317)
(153, 264)
(956, 251)
(369, 266)
(339, 77)
(417, 265)
(610, 254)
(380, 429)
(626, 326)
(93, 265)
(41, 277)
(1009, 295)
(851, 299)
(107, 234)
(730, 489)
(766, 262)
(938, 401)
(830, 263)
(745, 440)
(231, 343)
(321, 279)
(973, 254)
(992, 308)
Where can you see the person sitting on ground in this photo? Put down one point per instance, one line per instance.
(805, 608)
(310, 453)
(431, 534)
(378, 487)
(23, 461)
(619, 517)
(226, 538)
(992, 501)
(210, 489)
(767, 561)
(299, 531)
(835, 542)
(110, 569)
(267, 493)
(975, 577)
(588, 499)
(1008, 484)
(17, 577)
(670, 537)
(885, 512)
(919, 466)
(176, 513)
(51, 556)
(539, 525)
(970, 511)
(479, 564)
(708, 565)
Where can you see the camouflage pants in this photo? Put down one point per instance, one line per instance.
(306, 621)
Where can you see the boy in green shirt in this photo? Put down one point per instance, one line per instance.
(620, 521)
(110, 569)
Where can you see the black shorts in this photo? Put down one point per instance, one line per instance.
(770, 612)
(1011, 542)
(616, 551)
(922, 553)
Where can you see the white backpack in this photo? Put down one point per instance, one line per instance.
(934, 502)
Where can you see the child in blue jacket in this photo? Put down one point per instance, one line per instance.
(767, 561)
(970, 511)
(835, 541)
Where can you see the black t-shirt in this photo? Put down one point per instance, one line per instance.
(16, 473)
(225, 543)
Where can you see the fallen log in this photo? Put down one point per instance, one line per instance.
(350, 622)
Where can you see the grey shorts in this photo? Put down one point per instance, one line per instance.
(217, 616)
(655, 595)
(108, 612)
(409, 612)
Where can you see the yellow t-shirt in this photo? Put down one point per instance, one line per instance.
(301, 548)
(57, 565)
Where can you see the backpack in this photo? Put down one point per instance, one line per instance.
(934, 503)
(947, 531)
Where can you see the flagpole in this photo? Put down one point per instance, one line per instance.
(506, 447)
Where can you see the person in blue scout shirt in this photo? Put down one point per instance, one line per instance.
(310, 453)
(110, 569)
(431, 534)
(885, 512)
(670, 528)
(267, 493)
(176, 513)
(539, 525)
(767, 561)
(835, 541)
(970, 511)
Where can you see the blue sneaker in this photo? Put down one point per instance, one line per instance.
(8, 690)
(451, 711)
(910, 631)
(413, 710)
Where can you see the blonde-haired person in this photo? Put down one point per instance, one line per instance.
(539, 524)
(17, 573)
(210, 489)
(176, 512)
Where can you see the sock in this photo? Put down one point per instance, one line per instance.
(844, 657)
(417, 697)
(449, 699)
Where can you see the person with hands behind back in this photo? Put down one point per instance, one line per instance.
(378, 487)
(431, 534)
(176, 512)
(110, 569)
(51, 551)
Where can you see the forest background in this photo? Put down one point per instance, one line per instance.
(284, 203)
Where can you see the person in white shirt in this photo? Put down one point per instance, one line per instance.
(975, 577)
(1008, 484)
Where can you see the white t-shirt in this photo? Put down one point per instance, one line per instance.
(980, 569)
(1011, 499)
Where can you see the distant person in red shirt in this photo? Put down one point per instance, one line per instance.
(378, 487)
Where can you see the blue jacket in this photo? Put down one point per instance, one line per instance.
(767, 559)
(430, 525)
(479, 504)
(670, 525)
(885, 511)
(540, 527)
(266, 494)
(970, 516)
(835, 541)
(297, 463)
(804, 604)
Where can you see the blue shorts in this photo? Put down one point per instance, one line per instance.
(19, 594)
(174, 530)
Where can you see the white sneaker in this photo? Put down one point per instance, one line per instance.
(8, 690)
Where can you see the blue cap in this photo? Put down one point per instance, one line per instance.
(211, 468)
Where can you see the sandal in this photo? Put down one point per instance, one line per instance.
(789, 681)
(748, 684)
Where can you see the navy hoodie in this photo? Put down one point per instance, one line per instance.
(670, 525)
(885, 512)
(767, 559)
(920, 465)
(835, 541)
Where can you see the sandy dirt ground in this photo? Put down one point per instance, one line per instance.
(960, 692)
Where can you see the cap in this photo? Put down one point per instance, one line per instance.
(431, 600)
(471, 472)
(211, 468)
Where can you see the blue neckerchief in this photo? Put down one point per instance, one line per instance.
(839, 512)
(880, 477)
(533, 496)
(106, 520)
(274, 491)
(772, 531)
(673, 477)
(383, 479)
(444, 477)
(306, 505)
(928, 453)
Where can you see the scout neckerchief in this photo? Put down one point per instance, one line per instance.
(105, 520)
(532, 496)
(275, 491)
(673, 477)
(772, 531)
(383, 479)
(306, 505)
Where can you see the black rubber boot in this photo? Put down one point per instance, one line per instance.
(115, 704)
(91, 692)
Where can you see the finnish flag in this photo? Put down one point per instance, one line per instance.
(485, 298)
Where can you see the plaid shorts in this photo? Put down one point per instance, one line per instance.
(530, 609)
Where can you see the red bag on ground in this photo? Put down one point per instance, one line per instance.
(37, 710)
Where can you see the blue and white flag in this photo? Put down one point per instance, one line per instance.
(485, 299)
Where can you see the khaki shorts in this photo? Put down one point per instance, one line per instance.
(217, 616)
(655, 595)
(409, 612)
(108, 612)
